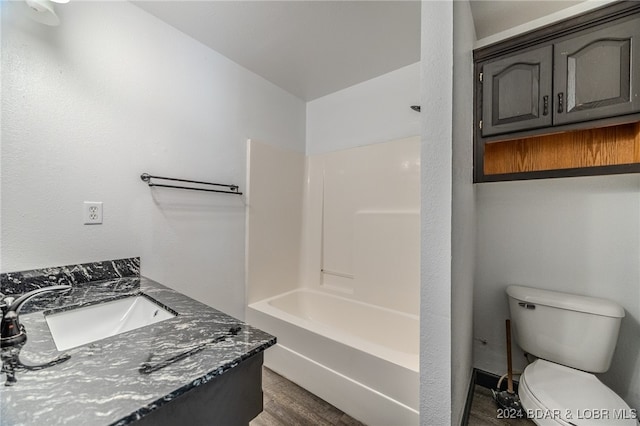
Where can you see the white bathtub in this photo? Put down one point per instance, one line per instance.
(359, 357)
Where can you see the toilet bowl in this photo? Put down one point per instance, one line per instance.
(553, 395)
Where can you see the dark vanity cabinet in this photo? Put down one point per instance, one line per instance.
(571, 76)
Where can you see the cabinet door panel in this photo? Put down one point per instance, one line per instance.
(597, 75)
(516, 92)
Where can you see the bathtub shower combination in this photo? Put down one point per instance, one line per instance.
(333, 272)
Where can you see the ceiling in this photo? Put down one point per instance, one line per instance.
(309, 48)
(313, 48)
(491, 17)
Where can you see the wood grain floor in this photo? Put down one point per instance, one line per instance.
(287, 404)
(484, 411)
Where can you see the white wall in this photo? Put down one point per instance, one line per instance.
(435, 275)
(577, 235)
(377, 110)
(111, 93)
(463, 230)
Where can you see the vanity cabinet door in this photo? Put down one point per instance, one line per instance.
(516, 92)
(597, 74)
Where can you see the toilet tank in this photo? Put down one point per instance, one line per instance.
(577, 331)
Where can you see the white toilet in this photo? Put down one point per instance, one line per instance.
(573, 336)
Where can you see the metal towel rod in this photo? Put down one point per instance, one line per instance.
(147, 178)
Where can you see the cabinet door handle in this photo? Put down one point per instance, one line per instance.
(545, 105)
(560, 101)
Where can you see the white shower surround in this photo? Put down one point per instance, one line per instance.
(359, 357)
(351, 338)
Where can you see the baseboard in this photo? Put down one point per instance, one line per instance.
(490, 380)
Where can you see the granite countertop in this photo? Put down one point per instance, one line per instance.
(122, 378)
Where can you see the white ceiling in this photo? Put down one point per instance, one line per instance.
(309, 48)
(493, 16)
(315, 47)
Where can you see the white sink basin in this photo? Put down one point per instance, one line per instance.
(88, 324)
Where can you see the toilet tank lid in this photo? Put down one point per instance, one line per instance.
(573, 302)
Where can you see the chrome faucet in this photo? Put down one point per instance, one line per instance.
(13, 334)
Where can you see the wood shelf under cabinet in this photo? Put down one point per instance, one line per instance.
(602, 147)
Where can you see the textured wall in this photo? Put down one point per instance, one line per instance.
(463, 220)
(111, 93)
(436, 163)
(576, 235)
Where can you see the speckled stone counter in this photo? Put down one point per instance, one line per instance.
(108, 382)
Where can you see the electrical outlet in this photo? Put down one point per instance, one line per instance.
(92, 212)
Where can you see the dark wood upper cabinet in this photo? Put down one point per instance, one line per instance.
(539, 96)
(597, 74)
(516, 91)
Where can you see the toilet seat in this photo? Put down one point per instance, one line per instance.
(556, 395)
